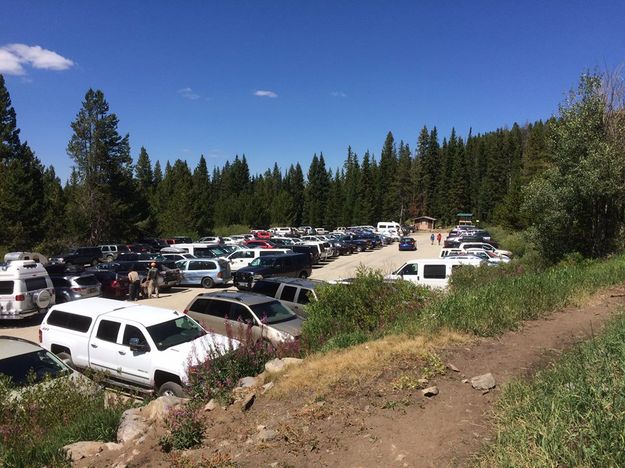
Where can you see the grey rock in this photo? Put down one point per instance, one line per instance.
(483, 382)
(451, 367)
(248, 401)
(79, 450)
(430, 391)
(211, 405)
(266, 435)
(247, 382)
(158, 409)
(275, 366)
(131, 426)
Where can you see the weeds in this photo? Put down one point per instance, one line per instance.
(572, 414)
(186, 428)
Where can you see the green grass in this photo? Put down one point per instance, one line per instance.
(572, 414)
(230, 230)
(48, 416)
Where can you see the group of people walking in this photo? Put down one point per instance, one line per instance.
(151, 283)
(438, 237)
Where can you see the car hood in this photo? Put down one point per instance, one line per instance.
(254, 270)
(292, 327)
(203, 347)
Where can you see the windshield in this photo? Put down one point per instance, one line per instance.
(32, 367)
(262, 262)
(272, 312)
(174, 332)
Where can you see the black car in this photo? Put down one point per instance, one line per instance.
(295, 265)
(360, 245)
(79, 256)
(155, 243)
(310, 250)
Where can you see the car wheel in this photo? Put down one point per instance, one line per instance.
(303, 275)
(359, 248)
(94, 262)
(66, 358)
(108, 259)
(171, 389)
(207, 282)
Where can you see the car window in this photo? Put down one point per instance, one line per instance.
(240, 313)
(108, 330)
(74, 322)
(175, 332)
(33, 284)
(434, 271)
(272, 312)
(217, 308)
(59, 282)
(200, 306)
(268, 288)
(304, 296)
(6, 287)
(87, 280)
(32, 367)
(288, 293)
(410, 269)
(133, 332)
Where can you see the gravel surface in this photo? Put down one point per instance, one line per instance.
(386, 259)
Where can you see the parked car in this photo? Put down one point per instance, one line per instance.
(169, 277)
(174, 257)
(154, 242)
(311, 251)
(432, 272)
(407, 243)
(242, 258)
(263, 235)
(26, 363)
(209, 240)
(36, 256)
(295, 293)
(466, 246)
(268, 318)
(111, 251)
(25, 289)
(137, 346)
(360, 245)
(289, 264)
(113, 285)
(205, 272)
(140, 248)
(79, 256)
(258, 244)
(72, 286)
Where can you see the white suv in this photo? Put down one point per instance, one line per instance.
(25, 289)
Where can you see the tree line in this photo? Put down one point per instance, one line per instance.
(516, 176)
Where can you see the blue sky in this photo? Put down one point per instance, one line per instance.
(183, 77)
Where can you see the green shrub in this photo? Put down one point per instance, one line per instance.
(572, 414)
(36, 425)
(504, 302)
(345, 314)
(186, 428)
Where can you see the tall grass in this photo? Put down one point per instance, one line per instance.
(37, 421)
(504, 302)
(572, 414)
(231, 229)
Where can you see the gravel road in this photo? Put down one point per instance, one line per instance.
(386, 259)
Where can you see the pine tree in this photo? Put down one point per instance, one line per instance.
(104, 171)
(202, 199)
(177, 214)
(386, 176)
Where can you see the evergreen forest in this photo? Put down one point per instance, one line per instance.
(560, 180)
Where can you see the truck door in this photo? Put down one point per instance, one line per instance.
(135, 364)
(104, 347)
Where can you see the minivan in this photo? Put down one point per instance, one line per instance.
(432, 272)
(25, 289)
(205, 272)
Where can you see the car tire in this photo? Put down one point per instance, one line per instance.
(303, 275)
(66, 358)
(359, 248)
(107, 259)
(43, 299)
(94, 262)
(171, 389)
(207, 283)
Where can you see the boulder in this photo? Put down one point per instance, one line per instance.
(483, 382)
(211, 405)
(275, 366)
(158, 409)
(131, 426)
(247, 382)
(266, 435)
(430, 391)
(79, 450)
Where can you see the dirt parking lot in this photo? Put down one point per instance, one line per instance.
(386, 259)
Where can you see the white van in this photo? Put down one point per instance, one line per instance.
(388, 226)
(25, 289)
(431, 272)
(36, 256)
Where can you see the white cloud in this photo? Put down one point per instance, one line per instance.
(13, 58)
(265, 93)
(339, 94)
(188, 93)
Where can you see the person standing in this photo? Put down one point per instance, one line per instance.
(432, 238)
(134, 283)
(438, 238)
(153, 280)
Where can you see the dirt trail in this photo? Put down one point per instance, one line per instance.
(368, 426)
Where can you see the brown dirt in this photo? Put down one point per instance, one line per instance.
(379, 422)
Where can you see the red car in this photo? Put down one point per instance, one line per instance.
(258, 244)
(264, 235)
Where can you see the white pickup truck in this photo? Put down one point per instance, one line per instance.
(138, 347)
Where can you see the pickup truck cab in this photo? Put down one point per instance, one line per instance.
(138, 347)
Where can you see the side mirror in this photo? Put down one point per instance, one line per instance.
(135, 345)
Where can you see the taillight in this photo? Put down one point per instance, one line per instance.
(79, 289)
(20, 297)
(115, 284)
(40, 336)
